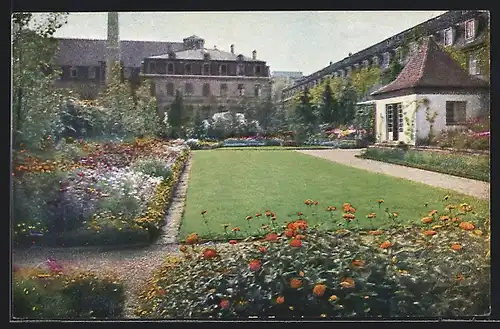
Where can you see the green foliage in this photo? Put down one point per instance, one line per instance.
(364, 79)
(35, 99)
(152, 166)
(146, 120)
(40, 295)
(199, 127)
(331, 274)
(468, 166)
(175, 115)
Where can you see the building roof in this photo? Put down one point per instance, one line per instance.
(287, 74)
(431, 67)
(89, 52)
(199, 54)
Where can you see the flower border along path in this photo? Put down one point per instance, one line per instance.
(466, 186)
(133, 265)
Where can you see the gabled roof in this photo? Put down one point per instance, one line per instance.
(89, 52)
(431, 67)
(199, 54)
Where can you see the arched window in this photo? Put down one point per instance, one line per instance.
(206, 89)
(170, 89)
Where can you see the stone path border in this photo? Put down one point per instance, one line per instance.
(478, 189)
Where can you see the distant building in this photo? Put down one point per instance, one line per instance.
(464, 29)
(210, 79)
(283, 79)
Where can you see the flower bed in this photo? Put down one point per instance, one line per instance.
(298, 271)
(117, 194)
(56, 293)
(195, 144)
(461, 165)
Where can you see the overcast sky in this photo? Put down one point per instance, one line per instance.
(289, 41)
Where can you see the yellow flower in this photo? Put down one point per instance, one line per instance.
(323, 315)
(332, 298)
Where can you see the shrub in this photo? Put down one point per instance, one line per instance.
(273, 142)
(48, 294)
(299, 271)
(152, 167)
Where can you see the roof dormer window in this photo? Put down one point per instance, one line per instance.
(240, 57)
(206, 56)
(470, 29)
(448, 37)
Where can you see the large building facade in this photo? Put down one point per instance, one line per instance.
(465, 29)
(210, 80)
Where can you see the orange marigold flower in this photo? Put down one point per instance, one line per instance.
(376, 232)
(224, 304)
(291, 226)
(280, 300)
(300, 213)
(183, 248)
(295, 243)
(348, 283)
(385, 245)
(427, 220)
(289, 233)
(351, 209)
(255, 265)
(316, 203)
(236, 229)
(468, 226)
(262, 249)
(430, 232)
(300, 224)
(300, 237)
(271, 237)
(372, 215)
(233, 241)
(332, 298)
(455, 219)
(358, 262)
(464, 207)
(433, 212)
(456, 246)
(192, 238)
(295, 283)
(349, 216)
(209, 253)
(203, 212)
(302, 274)
(273, 218)
(444, 218)
(268, 213)
(331, 208)
(319, 290)
(380, 201)
(258, 214)
(395, 214)
(249, 217)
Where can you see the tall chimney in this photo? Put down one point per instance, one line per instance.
(232, 49)
(113, 43)
(254, 54)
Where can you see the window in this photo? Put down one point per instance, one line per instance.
(152, 68)
(187, 69)
(92, 72)
(390, 117)
(223, 69)
(241, 90)
(73, 72)
(387, 59)
(170, 68)
(206, 69)
(448, 37)
(455, 113)
(400, 117)
(470, 32)
(257, 70)
(170, 89)
(257, 91)
(206, 89)
(240, 69)
(376, 61)
(188, 89)
(223, 89)
(474, 65)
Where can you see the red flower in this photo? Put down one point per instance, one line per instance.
(249, 217)
(289, 233)
(209, 253)
(258, 214)
(262, 249)
(280, 300)
(295, 243)
(319, 290)
(271, 237)
(255, 265)
(385, 245)
(233, 241)
(224, 304)
(300, 213)
(236, 229)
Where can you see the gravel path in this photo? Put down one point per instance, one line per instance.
(478, 189)
(133, 266)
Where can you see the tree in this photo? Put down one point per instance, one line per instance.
(175, 115)
(329, 106)
(146, 120)
(199, 127)
(36, 102)
(305, 117)
(347, 104)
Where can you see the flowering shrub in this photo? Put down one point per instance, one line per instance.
(475, 134)
(195, 144)
(56, 293)
(301, 271)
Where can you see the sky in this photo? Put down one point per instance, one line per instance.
(303, 41)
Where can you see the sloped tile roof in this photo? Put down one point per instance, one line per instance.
(87, 52)
(431, 67)
(198, 54)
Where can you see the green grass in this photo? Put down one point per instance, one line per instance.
(277, 148)
(231, 185)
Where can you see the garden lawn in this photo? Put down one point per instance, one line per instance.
(234, 184)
